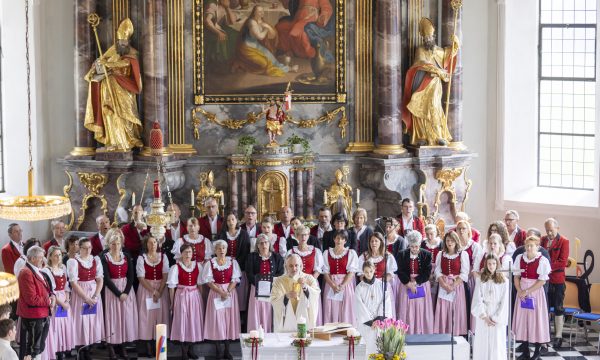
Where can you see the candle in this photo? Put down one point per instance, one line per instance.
(156, 189)
(301, 327)
(222, 199)
(324, 197)
(351, 332)
(357, 195)
(253, 334)
(161, 342)
(133, 199)
(192, 198)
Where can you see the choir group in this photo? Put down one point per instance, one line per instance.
(206, 279)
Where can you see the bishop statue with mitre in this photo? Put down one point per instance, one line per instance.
(114, 81)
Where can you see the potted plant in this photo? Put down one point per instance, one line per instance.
(246, 144)
(390, 340)
(298, 144)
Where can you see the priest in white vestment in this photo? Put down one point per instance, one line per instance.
(490, 311)
(368, 304)
(294, 295)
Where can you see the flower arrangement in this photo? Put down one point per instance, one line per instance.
(390, 339)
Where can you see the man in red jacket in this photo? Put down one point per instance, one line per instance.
(33, 307)
(212, 222)
(58, 232)
(558, 248)
(408, 221)
(517, 235)
(98, 243)
(284, 227)
(134, 231)
(324, 224)
(14, 249)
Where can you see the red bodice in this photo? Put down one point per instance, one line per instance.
(338, 266)
(117, 271)
(529, 270)
(308, 261)
(265, 267)
(198, 250)
(86, 274)
(60, 281)
(232, 248)
(222, 276)
(450, 266)
(153, 272)
(188, 278)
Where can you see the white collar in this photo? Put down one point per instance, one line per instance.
(375, 259)
(199, 240)
(451, 257)
(185, 268)
(112, 261)
(432, 247)
(225, 266)
(147, 259)
(86, 263)
(527, 260)
(303, 253)
(413, 256)
(229, 237)
(18, 246)
(337, 257)
(59, 272)
(265, 258)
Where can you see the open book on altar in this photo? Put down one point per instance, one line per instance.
(325, 332)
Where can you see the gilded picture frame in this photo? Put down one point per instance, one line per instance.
(230, 57)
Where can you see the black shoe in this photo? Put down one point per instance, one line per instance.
(190, 352)
(557, 343)
(544, 349)
(123, 352)
(111, 353)
(227, 354)
(524, 356)
(522, 348)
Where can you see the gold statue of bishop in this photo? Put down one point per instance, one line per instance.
(114, 81)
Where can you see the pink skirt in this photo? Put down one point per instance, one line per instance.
(60, 333)
(259, 313)
(339, 311)
(417, 313)
(223, 324)
(443, 313)
(394, 286)
(188, 315)
(243, 292)
(87, 329)
(148, 319)
(531, 325)
(121, 320)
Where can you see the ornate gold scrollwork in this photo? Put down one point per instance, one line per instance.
(253, 117)
(446, 178)
(93, 182)
(66, 190)
(273, 192)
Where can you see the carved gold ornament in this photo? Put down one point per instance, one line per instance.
(253, 117)
(93, 182)
(446, 178)
(122, 193)
(66, 192)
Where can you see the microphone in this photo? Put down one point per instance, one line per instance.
(94, 343)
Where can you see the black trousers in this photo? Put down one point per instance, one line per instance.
(556, 298)
(33, 336)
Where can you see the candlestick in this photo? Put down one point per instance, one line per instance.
(161, 342)
(192, 199)
(133, 199)
(325, 197)
(253, 334)
(357, 195)
(222, 199)
(156, 189)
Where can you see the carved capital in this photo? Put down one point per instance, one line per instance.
(93, 182)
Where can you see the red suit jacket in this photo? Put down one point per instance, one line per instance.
(182, 231)
(34, 295)
(205, 226)
(10, 254)
(278, 230)
(133, 239)
(51, 242)
(559, 254)
(96, 245)
(520, 237)
(418, 225)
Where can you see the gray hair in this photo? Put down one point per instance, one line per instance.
(551, 220)
(294, 257)
(300, 229)
(414, 238)
(100, 217)
(514, 213)
(264, 237)
(535, 231)
(35, 251)
(429, 227)
(115, 234)
(219, 242)
(55, 222)
(209, 199)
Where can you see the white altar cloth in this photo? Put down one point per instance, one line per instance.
(278, 347)
(439, 352)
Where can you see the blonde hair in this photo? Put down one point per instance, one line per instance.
(359, 211)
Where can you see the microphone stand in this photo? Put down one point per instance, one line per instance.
(94, 343)
(511, 347)
(385, 254)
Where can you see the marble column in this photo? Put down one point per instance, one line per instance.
(388, 67)
(254, 197)
(154, 60)
(85, 50)
(233, 189)
(455, 103)
(310, 193)
(299, 194)
(292, 181)
(244, 189)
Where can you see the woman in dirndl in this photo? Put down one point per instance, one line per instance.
(186, 302)
(60, 334)
(452, 272)
(530, 318)
(414, 270)
(222, 323)
(152, 269)
(86, 279)
(120, 305)
(263, 266)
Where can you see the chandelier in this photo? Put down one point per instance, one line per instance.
(32, 207)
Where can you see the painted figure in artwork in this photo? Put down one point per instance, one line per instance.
(220, 38)
(423, 115)
(114, 81)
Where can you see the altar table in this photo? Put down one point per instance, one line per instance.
(279, 347)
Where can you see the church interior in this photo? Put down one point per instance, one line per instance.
(121, 113)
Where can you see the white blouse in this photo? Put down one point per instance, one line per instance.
(392, 266)
(318, 265)
(543, 269)
(60, 272)
(73, 268)
(207, 272)
(173, 277)
(352, 265)
(139, 266)
(464, 264)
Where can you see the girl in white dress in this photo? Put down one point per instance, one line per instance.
(490, 311)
